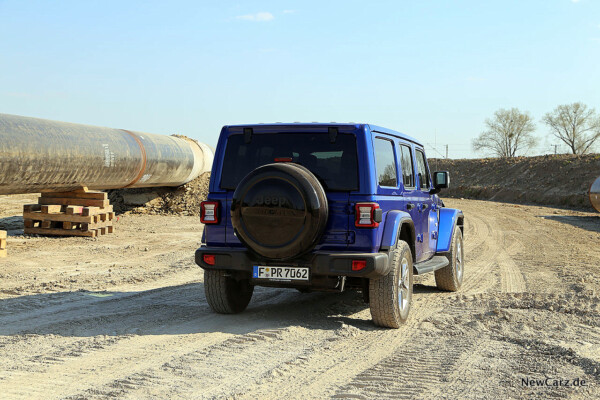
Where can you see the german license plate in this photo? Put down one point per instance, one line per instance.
(280, 273)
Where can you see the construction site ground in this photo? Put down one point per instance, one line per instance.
(125, 316)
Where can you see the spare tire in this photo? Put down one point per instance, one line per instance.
(279, 211)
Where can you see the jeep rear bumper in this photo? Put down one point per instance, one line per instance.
(320, 263)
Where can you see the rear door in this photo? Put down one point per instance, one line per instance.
(337, 235)
(426, 213)
(412, 197)
(336, 167)
(334, 163)
(386, 167)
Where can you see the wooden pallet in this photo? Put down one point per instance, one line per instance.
(3, 244)
(79, 213)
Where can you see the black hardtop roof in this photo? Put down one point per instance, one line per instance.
(317, 126)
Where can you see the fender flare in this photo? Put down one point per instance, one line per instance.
(449, 219)
(393, 224)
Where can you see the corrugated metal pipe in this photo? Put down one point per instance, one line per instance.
(38, 155)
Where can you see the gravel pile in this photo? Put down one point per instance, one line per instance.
(182, 200)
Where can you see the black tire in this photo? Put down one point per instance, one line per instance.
(279, 211)
(224, 294)
(385, 294)
(450, 277)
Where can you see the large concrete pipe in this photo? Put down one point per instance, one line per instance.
(595, 194)
(38, 155)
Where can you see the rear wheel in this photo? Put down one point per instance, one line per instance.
(390, 296)
(225, 294)
(451, 276)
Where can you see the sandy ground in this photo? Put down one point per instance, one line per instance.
(124, 316)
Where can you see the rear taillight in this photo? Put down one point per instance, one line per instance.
(209, 259)
(209, 212)
(358, 265)
(368, 215)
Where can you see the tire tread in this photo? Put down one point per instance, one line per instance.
(445, 278)
(221, 294)
(385, 310)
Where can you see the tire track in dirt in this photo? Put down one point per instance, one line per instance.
(261, 352)
(236, 360)
(480, 261)
(408, 373)
(476, 231)
(479, 273)
(64, 310)
(342, 359)
(75, 374)
(161, 314)
(135, 356)
(511, 277)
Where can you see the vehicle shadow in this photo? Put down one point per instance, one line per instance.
(177, 310)
(13, 225)
(172, 310)
(363, 322)
(587, 222)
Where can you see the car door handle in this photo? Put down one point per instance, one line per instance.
(410, 206)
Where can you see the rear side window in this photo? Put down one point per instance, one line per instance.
(408, 176)
(334, 164)
(422, 170)
(386, 162)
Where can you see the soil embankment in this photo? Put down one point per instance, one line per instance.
(556, 180)
(553, 180)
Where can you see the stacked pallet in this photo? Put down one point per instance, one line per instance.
(78, 213)
(2, 244)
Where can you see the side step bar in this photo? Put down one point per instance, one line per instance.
(431, 265)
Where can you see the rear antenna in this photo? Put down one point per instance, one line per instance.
(333, 132)
(247, 135)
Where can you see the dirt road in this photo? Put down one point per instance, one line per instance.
(125, 316)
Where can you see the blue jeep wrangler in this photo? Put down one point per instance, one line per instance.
(326, 207)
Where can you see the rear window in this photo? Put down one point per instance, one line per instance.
(422, 170)
(408, 177)
(385, 162)
(334, 164)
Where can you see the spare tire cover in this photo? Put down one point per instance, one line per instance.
(279, 211)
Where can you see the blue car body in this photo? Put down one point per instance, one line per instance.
(414, 211)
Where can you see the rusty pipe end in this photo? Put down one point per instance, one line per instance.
(203, 159)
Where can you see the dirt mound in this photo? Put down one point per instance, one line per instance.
(182, 200)
(558, 180)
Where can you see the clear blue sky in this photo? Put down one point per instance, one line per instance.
(432, 69)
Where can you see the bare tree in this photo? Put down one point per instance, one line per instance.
(576, 125)
(507, 133)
